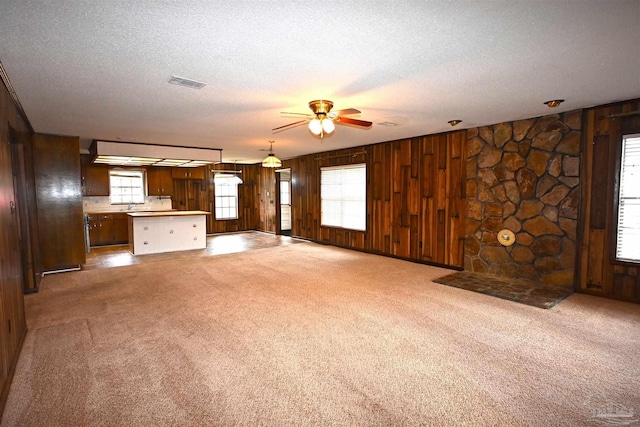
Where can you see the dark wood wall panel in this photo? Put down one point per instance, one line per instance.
(247, 208)
(598, 272)
(24, 176)
(414, 198)
(59, 198)
(305, 198)
(266, 196)
(13, 328)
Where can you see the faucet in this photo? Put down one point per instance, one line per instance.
(130, 207)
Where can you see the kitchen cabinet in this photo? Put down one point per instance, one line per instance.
(95, 179)
(159, 181)
(108, 229)
(120, 228)
(156, 232)
(188, 173)
(100, 229)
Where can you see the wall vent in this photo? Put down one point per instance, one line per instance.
(181, 81)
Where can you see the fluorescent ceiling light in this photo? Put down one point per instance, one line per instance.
(139, 154)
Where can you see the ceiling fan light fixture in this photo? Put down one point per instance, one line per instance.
(271, 161)
(315, 126)
(554, 103)
(328, 126)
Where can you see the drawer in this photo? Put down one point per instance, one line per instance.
(100, 217)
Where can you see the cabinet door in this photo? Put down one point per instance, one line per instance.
(120, 229)
(180, 173)
(154, 182)
(100, 229)
(94, 229)
(96, 180)
(188, 173)
(166, 181)
(105, 232)
(159, 181)
(196, 173)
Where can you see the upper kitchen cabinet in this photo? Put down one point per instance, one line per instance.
(188, 173)
(59, 201)
(95, 180)
(159, 181)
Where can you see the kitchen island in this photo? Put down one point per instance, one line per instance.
(167, 231)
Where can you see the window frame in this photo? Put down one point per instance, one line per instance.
(618, 177)
(219, 198)
(364, 218)
(136, 199)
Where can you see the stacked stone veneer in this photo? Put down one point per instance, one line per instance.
(524, 176)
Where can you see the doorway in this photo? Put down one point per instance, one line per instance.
(284, 197)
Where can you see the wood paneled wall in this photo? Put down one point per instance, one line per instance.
(13, 326)
(59, 197)
(265, 195)
(415, 200)
(305, 198)
(598, 273)
(248, 208)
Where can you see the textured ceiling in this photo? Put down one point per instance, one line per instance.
(100, 69)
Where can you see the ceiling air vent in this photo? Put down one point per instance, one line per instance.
(181, 81)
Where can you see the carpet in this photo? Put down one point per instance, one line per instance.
(522, 291)
(311, 335)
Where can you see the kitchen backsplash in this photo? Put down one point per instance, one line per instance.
(102, 204)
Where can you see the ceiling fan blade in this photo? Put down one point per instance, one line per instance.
(285, 127)
(347, 111)
(286, 113)
(355, 122)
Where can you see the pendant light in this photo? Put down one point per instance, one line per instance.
(271, 161)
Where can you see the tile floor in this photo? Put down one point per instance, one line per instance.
(217, 244)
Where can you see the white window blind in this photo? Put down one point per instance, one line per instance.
(226, 196)
(126, 186)
(343, 196)
(285, 194)
(628, 233)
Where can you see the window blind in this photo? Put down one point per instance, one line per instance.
(343, 196)
(628, 231)
(226, 196)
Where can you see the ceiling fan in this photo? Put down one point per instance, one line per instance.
(322, 121)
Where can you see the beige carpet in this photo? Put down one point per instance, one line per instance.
(310, 335)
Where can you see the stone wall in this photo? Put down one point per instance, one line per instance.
(524, 176)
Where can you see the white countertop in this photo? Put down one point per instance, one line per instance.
(165, 213)
(124, 211)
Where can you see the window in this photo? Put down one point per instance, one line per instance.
(126, 186)
(343, 196)
(226, 191)
(285, 193)
(628, 232)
